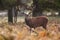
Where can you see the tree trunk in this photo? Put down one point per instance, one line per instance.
(37, 11)
(59, 12)
(15, 15)
(10, 15)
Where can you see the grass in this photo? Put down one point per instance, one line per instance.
(20, 31)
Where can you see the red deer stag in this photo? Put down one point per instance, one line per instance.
(36, 21)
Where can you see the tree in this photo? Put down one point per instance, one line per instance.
(57, 2)
(37, 7)
(40, 5)
(8, 4)
(16, 9)
(10, 15)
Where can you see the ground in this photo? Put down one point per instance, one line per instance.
(20, 31)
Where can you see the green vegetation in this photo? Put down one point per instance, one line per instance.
(41, 5)
(5, 4)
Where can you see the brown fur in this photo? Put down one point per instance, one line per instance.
(36, 21)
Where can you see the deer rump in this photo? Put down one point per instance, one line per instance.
(36, 22)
